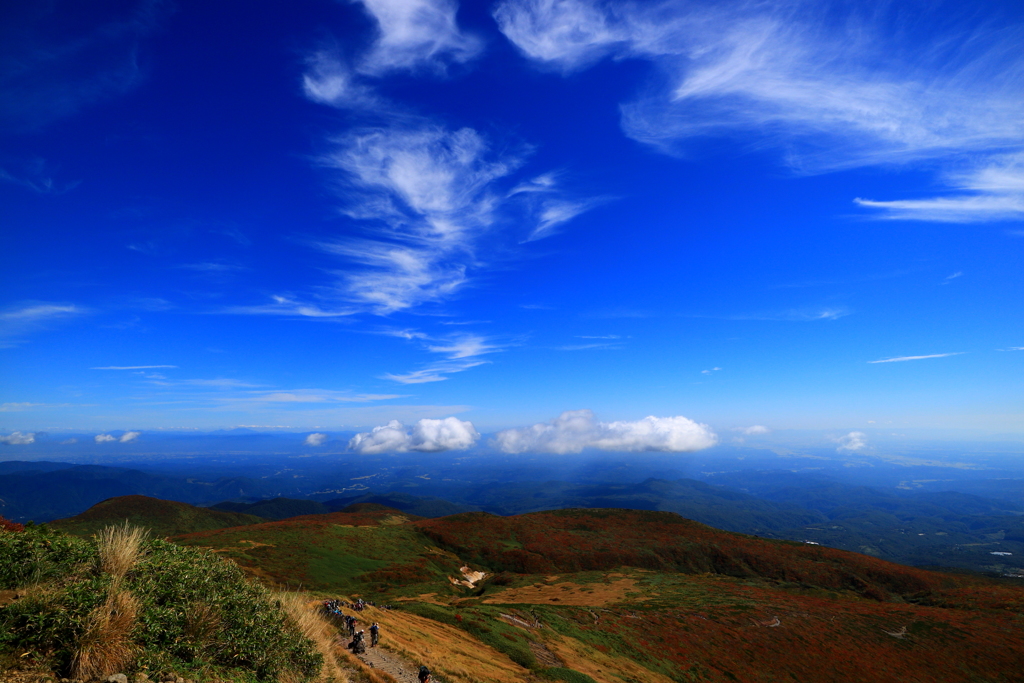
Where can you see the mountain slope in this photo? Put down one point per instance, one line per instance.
(161, 517)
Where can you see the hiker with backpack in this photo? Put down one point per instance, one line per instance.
(424, 674)
(374, 634)
(358, 645)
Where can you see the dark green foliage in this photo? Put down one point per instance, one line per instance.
(558, 673)
(195, 610)
(37, 555)
(161, 517)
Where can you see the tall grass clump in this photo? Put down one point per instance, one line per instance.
(119, 548)
(105, 645)
(308, 619)
(124, 603)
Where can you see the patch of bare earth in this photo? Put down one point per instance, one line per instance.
(398, 667)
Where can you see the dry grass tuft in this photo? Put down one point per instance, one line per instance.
(106, 646)
(304, 614)
(120, 548)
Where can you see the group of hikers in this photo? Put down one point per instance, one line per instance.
(332, 608)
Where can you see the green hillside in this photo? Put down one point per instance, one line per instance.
(162, 517)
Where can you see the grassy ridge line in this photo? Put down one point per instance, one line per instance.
(370, 551)
(162, 517)
(588, 540)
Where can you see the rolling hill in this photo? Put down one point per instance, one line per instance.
(613, 596)
(161, 517)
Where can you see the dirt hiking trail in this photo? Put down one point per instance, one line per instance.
(399, 667)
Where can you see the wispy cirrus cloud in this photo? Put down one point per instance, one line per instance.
(134, 367)
(18, 322)
(416, 34)
(833, 85)
(809, 314)
(35, 175)
(900, 359)
(289, 306)
(993, 191)
(51, 70)
(430, 201)
(411, 35)
(462, 352)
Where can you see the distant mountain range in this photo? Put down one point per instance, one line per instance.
(923, 528)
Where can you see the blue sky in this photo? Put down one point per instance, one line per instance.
(331, 215)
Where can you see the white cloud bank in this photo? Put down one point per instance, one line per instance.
(18, 438)
(833, 85)
(315, 439)
(576, 430)
(854, 441)
(427, 435)
(127, 437)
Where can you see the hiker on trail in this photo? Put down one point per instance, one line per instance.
(424, 674)
(358, 645)
(374, 634)
(351, 620)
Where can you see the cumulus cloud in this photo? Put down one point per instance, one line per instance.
(833, 85)
(576, 430)
(315, 439)
(754, 430)
(18, 438)
(427, 435)
(854, 441)
(128, 437)
(104, 438)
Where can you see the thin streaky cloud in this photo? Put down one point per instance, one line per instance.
(900, 359)
(830, 85)
(134, 367)
(20, 321)
(461, 353)
(587, 347)
(287, 306)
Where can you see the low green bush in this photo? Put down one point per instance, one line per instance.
(195, 610)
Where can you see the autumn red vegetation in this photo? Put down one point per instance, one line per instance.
(8, 525)
(588, 540)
